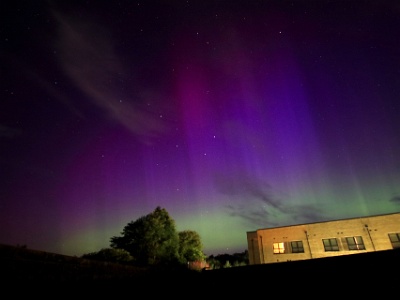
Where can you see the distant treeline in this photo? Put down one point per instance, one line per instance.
(21, 263)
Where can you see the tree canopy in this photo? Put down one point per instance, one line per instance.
(110, 254)
(190, 246)
(153, 239)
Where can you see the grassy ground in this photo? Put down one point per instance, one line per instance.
(23, 270)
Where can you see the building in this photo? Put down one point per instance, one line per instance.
(324, 239)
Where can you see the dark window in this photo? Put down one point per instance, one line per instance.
(355, 243)
(297, 247)
(331, 244)
(395, 240)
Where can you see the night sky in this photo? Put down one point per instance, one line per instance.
(231, 115)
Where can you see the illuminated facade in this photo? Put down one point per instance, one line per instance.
(324, 239)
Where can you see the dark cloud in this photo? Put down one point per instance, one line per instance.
(395, 199)
(245, 186)
(259, 215)
(306, 214)
(88, 57)
(258, 206)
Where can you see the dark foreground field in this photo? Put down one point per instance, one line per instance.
(29, 271)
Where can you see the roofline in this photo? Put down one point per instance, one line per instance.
(332, 220)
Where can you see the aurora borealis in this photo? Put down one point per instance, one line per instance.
(231, 115)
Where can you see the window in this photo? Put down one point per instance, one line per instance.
(330, 244)
(279, 248)
(297, 247)
(395, 240)
(355, 243)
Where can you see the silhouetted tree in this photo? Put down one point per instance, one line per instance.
(190, 246)
(111, 255)
(151, 239)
